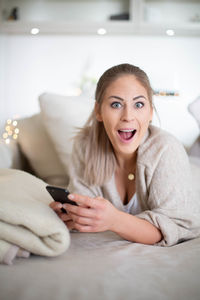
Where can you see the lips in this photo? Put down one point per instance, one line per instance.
(126, 134)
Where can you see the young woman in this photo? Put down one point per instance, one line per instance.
(126, 175)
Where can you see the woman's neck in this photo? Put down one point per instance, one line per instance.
(126, 162)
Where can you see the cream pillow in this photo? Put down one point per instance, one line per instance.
(61, 116)
(10, 156)
(38, 148)
(5, 155)
(194, 109)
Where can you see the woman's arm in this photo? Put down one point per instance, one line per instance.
(98, 214)
(136, 230)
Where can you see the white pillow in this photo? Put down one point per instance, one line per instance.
(194, 109)
(38, 148)
(10, 156)
(61, 116)
(5, 155)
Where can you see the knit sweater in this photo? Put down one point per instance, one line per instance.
(165, 187)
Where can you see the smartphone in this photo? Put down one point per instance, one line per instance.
(60, 195)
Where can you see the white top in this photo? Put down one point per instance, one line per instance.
(133, 206)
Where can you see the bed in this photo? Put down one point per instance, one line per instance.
(103, 266)
(82, 266)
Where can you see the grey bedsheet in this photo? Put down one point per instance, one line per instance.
(103, 266)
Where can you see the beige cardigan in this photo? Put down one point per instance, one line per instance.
(165, 187)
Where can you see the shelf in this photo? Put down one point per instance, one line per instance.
(117, 27)
(168, 11)
(184, 29)
(64, 10)
(146, 17)
(19, 27)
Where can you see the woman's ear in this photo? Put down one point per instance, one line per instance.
(97, 112)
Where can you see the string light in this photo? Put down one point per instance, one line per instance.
(11, 131)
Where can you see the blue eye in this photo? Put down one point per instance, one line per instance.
(139, 104)
(116, 105)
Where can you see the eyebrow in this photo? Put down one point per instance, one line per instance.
(135, 98)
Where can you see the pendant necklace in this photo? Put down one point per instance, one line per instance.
(131, 176)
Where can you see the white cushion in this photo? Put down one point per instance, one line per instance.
(39, 150)
(194, 109)
(195, 148)
(5, 155)
(10, 155)
(61, 116)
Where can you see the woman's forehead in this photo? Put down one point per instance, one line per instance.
(125, 84)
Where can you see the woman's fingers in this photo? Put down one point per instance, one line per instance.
(82, 220)
(79, 211)
(69, 224)
(84, 201)
(64, 217)
(56, 206)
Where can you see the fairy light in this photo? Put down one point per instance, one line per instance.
(14, 123)
(16, 130)
(11, 131)
(5, 135)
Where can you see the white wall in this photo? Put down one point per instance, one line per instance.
(35, 64)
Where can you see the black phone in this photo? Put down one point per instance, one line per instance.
(60, 195)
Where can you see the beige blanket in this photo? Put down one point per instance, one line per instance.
(27, 223)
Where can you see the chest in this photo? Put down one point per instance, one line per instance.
(125, 187)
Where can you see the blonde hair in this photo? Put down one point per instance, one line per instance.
(98, 155)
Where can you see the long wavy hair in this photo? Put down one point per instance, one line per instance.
(98, 156)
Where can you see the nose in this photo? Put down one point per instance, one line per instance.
(127, 114)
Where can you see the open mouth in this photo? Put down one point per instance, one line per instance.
(126, 134)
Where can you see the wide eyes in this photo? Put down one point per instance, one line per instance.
(139, 104)
(117, 104)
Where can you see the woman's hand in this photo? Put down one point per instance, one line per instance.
(57, 207)
(91, 214)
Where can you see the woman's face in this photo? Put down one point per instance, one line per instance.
(125, 112)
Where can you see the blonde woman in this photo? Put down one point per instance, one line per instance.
(126, 175)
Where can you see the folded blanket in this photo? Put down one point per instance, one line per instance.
(27, 223)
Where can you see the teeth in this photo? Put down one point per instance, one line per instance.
(127, 130)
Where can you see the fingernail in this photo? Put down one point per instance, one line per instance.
(71, 196)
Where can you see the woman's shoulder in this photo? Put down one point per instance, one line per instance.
(158, 141)
(159, 135)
